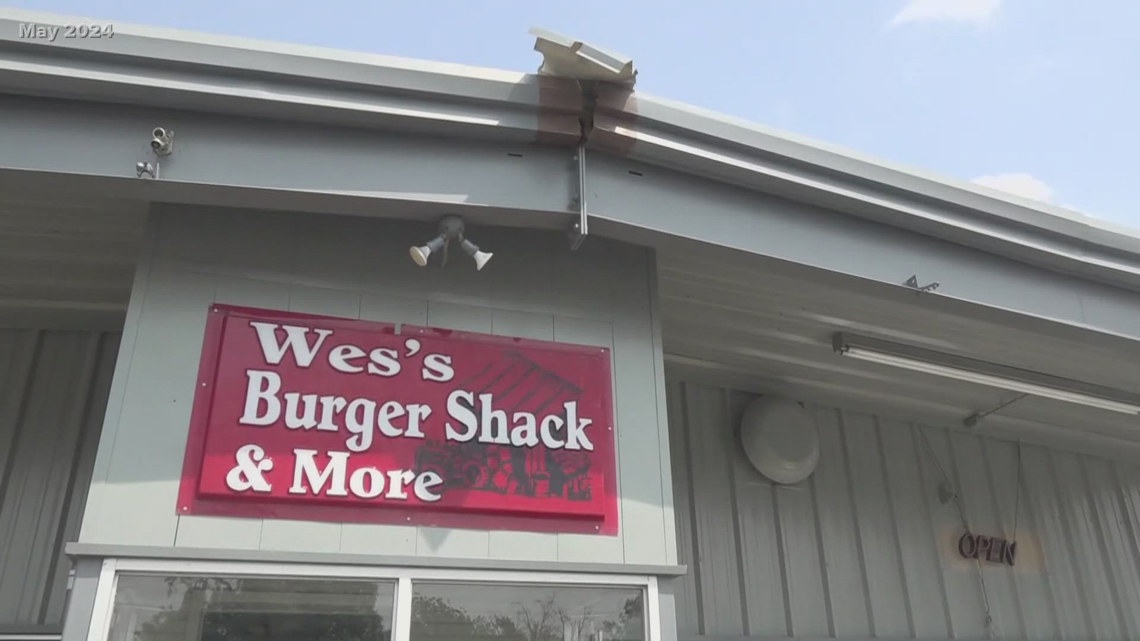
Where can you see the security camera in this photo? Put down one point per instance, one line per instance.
(162, 141)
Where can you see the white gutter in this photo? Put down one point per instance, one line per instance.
(169, 68)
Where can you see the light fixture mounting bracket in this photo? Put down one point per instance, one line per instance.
(451, 227)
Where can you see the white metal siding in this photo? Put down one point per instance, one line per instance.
(53, 392)
(359, 268)
(865, 548)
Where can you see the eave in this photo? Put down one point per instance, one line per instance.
(174, 69)
(703, 143)
(281, 126)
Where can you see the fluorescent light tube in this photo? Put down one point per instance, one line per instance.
(981, 378)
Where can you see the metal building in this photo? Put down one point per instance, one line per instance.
(819, 396)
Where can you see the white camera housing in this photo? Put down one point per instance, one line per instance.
(162, 141)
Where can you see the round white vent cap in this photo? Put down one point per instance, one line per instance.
(780, 439)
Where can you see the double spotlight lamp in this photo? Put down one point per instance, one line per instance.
(451, 230)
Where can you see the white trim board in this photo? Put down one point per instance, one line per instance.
(124, 552)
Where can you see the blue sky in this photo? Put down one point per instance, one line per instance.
(1040, 97)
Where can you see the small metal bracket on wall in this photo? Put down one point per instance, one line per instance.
(912, 283)
(580, 229)
(150, 169)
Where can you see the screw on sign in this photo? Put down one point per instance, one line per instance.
(520, 385)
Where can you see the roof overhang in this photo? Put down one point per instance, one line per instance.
(264, 164)
(167, 69)
(835, 236)
(276, 126)
(698, 142)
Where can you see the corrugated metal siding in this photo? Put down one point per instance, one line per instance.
(865, 548)
(53, 393)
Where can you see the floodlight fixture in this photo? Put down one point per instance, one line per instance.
(481, 258)
(420, 254)
(451, 229)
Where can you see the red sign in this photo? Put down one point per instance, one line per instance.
(317, 418)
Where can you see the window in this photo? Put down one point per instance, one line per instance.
(231, 608)
(202, 601)
(452, 611)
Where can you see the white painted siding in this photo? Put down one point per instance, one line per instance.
(53, 391)
(865, 548)
(359, 268)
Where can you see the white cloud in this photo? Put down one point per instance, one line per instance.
(970, 11)
(1018, 184)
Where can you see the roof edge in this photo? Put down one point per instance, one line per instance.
(233, 51)
(696, 141)
(183, 70)
(176, 69)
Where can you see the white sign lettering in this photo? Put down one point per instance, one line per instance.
(364, 483)
(556, 431)
(305, 344)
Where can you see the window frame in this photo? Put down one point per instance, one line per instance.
(100, 623)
